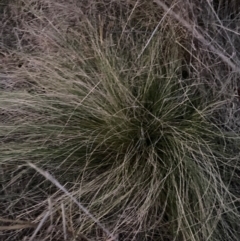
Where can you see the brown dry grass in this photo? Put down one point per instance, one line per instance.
(42, 41)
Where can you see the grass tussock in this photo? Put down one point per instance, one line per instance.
(130, 112)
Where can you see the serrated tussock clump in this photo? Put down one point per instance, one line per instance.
(134, 140)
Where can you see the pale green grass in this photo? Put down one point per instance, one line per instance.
(143, 149)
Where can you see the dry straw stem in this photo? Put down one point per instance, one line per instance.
(49, 177)
(196, 34)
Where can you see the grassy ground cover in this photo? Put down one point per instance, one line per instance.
(119, 120)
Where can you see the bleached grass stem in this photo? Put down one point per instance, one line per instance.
(196, 34)
(49, 177)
